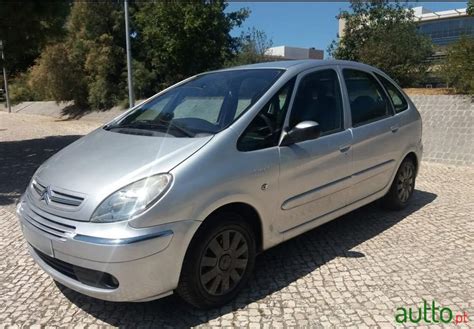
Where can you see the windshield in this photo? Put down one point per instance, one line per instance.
(204, 105)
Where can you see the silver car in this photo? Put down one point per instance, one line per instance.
(181, 192)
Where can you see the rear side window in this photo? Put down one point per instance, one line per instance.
(399, 102)
(366, 96)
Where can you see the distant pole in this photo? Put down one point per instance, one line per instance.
(7, 96)
(129, 57)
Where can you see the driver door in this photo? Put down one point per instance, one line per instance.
(315, 174)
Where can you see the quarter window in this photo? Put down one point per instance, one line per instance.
(399, 102)
(265, 129)
(367, 98)
(319, 99)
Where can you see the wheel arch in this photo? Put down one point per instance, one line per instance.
(409, 154)
(412, 156)
(248, 213)
(188, 288)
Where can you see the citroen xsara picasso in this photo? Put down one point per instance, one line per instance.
(181, 192)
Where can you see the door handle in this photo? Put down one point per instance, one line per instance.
(344, 148)
(394, 129)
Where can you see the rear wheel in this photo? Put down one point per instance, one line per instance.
(402, 187)
(218, 262)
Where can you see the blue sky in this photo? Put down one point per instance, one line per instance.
(305, 24)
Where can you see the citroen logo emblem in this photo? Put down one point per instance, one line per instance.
(46, 195)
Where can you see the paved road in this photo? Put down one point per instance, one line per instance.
(356, 270)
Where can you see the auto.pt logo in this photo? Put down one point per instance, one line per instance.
(430, 313)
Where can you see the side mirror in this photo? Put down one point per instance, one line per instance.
(303, 131)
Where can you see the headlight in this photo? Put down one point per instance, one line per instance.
(132, 199)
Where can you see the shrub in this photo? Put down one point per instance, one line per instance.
(54, 76)
(21, 91)
(458, 66)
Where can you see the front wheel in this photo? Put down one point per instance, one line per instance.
(402, 187)
(218, 262)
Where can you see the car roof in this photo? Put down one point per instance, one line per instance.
(301, 65)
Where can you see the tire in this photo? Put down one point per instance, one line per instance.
(219, 261)
(403, 185)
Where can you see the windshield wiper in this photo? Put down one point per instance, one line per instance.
(182, 129)
(153, 124)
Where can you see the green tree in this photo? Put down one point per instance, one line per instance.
(88, 66)
(96, 41)
(26, 27)
(176, 39)
(170, 41)
(458, 66)
(470, 7)
(384, 35)
(252, 47)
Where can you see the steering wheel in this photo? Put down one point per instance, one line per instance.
(268, 126)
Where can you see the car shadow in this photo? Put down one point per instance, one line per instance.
(275, 269)
(20, 159)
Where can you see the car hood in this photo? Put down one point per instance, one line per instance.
(102, 162)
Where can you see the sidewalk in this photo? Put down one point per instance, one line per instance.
(64, 111)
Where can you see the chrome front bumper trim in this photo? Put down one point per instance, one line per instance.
(123, 241)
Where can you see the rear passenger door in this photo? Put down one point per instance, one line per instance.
(403, 116)
(374, 131)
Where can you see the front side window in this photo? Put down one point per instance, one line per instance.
(265, 129)
(399, 102)
(204, 105)
(367, 98)
(319, 99)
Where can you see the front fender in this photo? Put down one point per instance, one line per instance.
(269, 236)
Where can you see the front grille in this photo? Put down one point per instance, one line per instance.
(43, 222)
(55, 197)
(86, 276)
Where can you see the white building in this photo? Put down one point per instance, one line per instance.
(425, 14)
(443, 27)
(286, 52)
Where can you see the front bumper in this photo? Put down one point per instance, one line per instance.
(139, 264)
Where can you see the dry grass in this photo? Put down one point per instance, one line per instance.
(429, 91)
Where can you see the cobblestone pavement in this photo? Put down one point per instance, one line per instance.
(354, 271)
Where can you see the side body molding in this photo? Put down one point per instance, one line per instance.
(336, 186)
